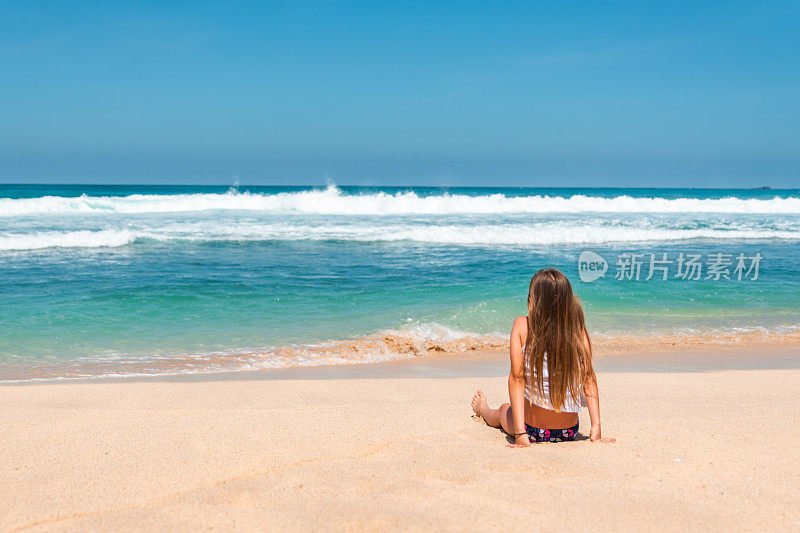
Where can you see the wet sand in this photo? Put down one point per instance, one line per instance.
(705, 439)
(380, 347)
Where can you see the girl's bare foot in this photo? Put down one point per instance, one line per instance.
(479, 403)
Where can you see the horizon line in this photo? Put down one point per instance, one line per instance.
(337, 185)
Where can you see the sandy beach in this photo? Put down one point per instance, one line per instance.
(393, 446)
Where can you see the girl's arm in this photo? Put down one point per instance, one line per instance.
(593, 401)
(593, 404)
(516, 381)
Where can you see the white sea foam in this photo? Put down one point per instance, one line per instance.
(457, 234)
(332, 201)
(66, 239)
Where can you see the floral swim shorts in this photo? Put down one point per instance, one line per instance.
(551, 435)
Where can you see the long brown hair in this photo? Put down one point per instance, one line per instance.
(556, 330)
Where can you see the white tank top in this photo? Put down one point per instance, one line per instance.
(542, 398)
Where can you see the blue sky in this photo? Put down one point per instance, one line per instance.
(439, 93)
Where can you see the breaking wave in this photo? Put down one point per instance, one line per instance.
(456, 234)
(332, 201)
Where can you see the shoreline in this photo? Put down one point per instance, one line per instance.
(372, 350)
(487, 363)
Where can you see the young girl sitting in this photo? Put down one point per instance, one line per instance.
(551, 369)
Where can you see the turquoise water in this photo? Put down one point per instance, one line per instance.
(127, 274)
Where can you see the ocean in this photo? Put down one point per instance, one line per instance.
(133, 280)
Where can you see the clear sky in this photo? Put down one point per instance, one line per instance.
(442, 93)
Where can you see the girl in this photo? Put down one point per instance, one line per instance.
(551, 369)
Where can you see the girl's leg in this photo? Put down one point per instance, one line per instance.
(500, 417)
